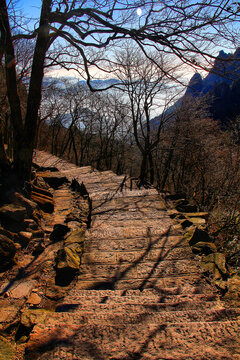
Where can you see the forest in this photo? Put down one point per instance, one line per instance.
(144, 58)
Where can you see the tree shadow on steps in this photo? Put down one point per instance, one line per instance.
(163, 251)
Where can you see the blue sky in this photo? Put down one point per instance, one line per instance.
(30, 8)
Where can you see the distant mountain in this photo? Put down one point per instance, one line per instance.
(61, 82)
(220, 88)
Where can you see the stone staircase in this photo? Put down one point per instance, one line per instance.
(140, 292)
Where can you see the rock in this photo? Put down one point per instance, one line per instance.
(185, 223)
(38, 234)
(34, 299)
(203, 215)
(32, 317)
(205, 248)
(25, 237)
(215, 263)
(68, 258)
(198, 235)
(6, 233)
(76, 236)
(59, 231)
(54, 291)
(233, 285)
(7, 350)
(13, 212)
(197, 220)
(221, 285)
(19, 199)
(23, 289)
(7, 252)
(8, 314)
(177, 196)
(54, 181)
(39, 182)
(30, 224)
(38, 248)
(45, 203)
(186, 208)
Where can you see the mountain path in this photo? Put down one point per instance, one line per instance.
(140, 292)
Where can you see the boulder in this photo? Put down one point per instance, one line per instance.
(22, 289)
(7, 252)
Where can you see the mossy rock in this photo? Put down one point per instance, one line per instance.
(205, 248)
(216, 264)
(7, 350)
(67, 258)
(31, 317)
(76, 236)
(233, 284)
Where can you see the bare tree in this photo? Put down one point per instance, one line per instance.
(177, 27)
(146, 85)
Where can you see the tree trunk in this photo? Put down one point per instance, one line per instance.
(143, 171)
(11, 81)
(151, 166)
(35, 87)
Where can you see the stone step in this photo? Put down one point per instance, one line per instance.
(120, 314)
(165, 296)
(106, 195)
(148, 243)
(130, 203)
(147, 255)
(185, 284)
(123, 216)
(136, 306)
(144, 223)
(119, 232)
(180, 340)
(139, 269)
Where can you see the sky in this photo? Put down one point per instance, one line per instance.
(30, 8)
